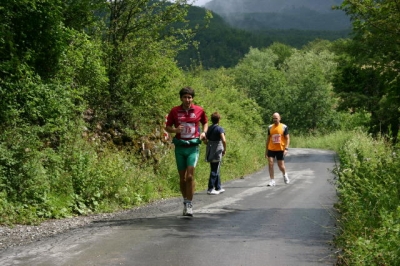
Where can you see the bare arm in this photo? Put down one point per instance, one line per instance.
(287, 137)
(266, 146)
(203, 134)
(223, 139)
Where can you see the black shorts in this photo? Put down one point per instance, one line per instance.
(278, 154)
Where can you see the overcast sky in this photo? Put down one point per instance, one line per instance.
(200, 2)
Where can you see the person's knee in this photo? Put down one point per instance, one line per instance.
(189, 178)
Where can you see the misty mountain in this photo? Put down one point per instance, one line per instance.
(281, 14)
(269, 6)
(221, 45)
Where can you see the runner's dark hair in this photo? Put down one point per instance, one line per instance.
(186, 90)
(215, 117)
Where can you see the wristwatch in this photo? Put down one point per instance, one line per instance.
(286, 149)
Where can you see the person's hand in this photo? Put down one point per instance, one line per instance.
(179, 129)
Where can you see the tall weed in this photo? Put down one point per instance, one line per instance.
(369, 194)
(332, 141)
(23, 183)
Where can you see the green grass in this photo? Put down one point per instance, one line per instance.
(333, 141)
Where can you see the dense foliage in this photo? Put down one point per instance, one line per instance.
(83, 99)
(85, 86)
(368, 79)
(66, 74)
(368, 212)
(369, 202)
(298, 81)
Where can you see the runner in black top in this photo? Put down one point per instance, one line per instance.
(216, 148)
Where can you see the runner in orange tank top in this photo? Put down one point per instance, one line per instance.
(277, 146)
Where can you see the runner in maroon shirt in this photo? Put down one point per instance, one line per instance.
(184, 120)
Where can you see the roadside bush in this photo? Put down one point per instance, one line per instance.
(369, 193)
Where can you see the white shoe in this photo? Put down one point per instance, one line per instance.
(271, 183)
(286, 178)
(184, 209)
(221, 190)
(213, 192)
(189, 209)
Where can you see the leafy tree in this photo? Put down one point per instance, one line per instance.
(32, 32)
(283, 51)
(33, 38)
(319, 45)
(140, 45)
(300, 90)
(312, 100)
(51, 70)
(46, 68)
(375, 26)
(82, 69)
(41, 56)
(359, 87)
(83, 14)
(262, 81)
(374, 56)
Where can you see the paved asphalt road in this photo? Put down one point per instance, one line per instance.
(250, 224)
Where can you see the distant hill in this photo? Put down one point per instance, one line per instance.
(269, 6)
(281, 14)
(221, 45)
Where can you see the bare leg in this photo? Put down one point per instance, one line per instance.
(182, 182)
(271, 167)
(281, 165)
(190, 185)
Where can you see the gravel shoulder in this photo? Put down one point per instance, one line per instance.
(20, 235)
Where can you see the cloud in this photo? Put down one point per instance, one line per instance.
(200, 2)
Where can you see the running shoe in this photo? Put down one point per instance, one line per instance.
(286, 178)
(221, 190)
(271, 183)
(213, 192)
(184, 209)
(209, 191)
(189, 209)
